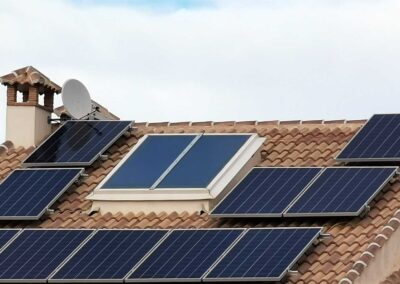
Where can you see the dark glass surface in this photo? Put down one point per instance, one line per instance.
(204, 161)
(28, 193)
(149, 161)
(6, 235)
(264, 253)
(378, 139)
(185, 254)
(35, 254)
(342, 190)
(109, 254)
(266, 191)
(78, 142)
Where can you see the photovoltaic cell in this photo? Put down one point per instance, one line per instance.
(6, 235)
(378, 140)
(77, 143)
(149, 161)
(204, 161)
(35, 254)
(26, 193)
(109, 255)
(263, 255)
(185, 255)
(265, 192)
(341, 191)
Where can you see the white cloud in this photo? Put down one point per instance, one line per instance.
(235, 60)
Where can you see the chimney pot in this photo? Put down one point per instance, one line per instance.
(27, 120)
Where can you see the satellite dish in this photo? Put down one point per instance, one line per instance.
(76, 99)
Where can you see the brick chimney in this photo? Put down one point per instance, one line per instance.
(27, 123)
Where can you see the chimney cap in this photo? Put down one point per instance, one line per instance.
(31, 76)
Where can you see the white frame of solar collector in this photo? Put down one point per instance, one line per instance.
(239, 160)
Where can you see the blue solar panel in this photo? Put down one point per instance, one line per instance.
(77, 143)
(265, 192)
(109, 255)
(341, 191)
(149, 161)
(35, 254)
(204, 161)
(26, 193)
(263, 255)
(378, 140)
(185, 255)
(176, 161)
(6, 235)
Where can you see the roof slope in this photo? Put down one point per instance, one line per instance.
(293, 143)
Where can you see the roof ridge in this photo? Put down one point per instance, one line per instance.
(250, 122)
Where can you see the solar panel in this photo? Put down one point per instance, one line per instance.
(341, 191)
(77, 143)
(6, 235)
(108, 256)
(151, 158)
(26, 194)
(378, 140)
(35, 254)
(185, 255)
(265, 192)
(175, 161)
(263, 255)
(204, 161)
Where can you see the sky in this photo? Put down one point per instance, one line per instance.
(182, 60)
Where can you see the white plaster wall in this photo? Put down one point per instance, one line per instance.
(156, 206)
(385, 261)
(27, 125)
(42, 127)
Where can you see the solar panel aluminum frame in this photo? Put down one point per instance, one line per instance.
(50, 229)
(37, 217)
(356, 160)
(76, 164)
(19, 231)
(341, 214)
(50, 280)
(182, 280)
(269, 215)
(264, 279)
(216, 185)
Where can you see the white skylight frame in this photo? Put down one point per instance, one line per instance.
(214, 188)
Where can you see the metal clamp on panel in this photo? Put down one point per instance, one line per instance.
(325, 236)
(365, 211)
(104, 157)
